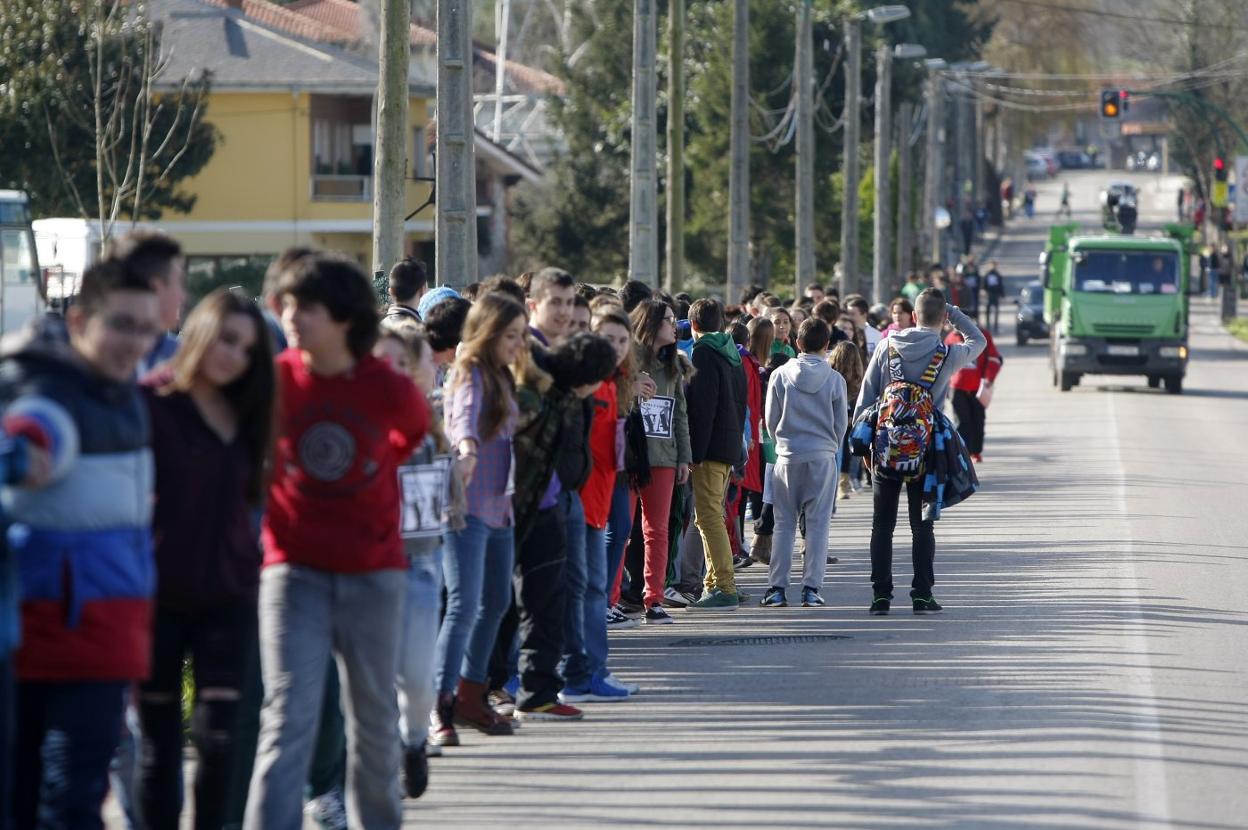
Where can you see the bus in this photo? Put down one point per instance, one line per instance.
(21, 282)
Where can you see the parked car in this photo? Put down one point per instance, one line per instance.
(1037, 170)
(1074, 160)
(1030, 323)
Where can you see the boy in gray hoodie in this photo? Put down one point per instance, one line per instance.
(916, 347)
(807, 415)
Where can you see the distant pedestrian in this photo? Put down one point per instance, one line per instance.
(847, 361)
(807, 416)
(994, 290)
(1064, 208)
(914, 359)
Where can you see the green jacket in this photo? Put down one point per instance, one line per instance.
(668, 452)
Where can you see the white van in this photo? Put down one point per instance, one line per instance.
(67, 248)
(21, 283)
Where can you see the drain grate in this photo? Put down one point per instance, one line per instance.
(779, 640)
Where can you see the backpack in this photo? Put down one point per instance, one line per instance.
(906, 419)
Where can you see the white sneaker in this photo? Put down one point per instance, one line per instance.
(611, 680)
(329, 810)
(673, 598)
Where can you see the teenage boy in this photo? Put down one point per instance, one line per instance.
(857, 308)
(807, 414)
(408, 283)
(82, 543)
(915, 347)
(157, 257)
(716, 400)
(335, 575)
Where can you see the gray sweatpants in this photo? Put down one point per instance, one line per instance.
(307, 616)
(806, 484)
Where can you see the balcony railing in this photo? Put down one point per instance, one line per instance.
(342, 188)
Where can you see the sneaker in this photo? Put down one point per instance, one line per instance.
(596, 691)
(674, 599)
(831, 560)
(550, 711)
(880, 606)
(655, 615)
(432, 750)
(328, 810)
(691, 596)
(611, 680)
(415, 771)
(774, 598)
(632, 610)
(740, 563)
(502, 702)
(977, 458)
(743, 597)
(512, 686)
(716, 600)
(926, 605)
(811, 598)
(616, 620)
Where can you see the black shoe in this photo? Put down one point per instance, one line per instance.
(415, 771)
(630, 609)
(740, 563)
(926, 605)
(655, 615)
(880, 606)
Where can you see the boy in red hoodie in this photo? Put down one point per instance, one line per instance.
(335, 574)
(972, 392)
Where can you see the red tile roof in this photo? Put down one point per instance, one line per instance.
(344, 15)
(277, 17)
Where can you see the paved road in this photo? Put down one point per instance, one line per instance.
(1090, 670)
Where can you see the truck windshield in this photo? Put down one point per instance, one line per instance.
(1127, 272)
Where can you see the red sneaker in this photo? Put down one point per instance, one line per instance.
(977, 458)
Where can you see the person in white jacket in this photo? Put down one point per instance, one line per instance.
(807, 415)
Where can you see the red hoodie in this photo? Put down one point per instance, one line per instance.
(334, 499)
(985, 367)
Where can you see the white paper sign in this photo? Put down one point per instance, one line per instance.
(657, 415)
(423, 491)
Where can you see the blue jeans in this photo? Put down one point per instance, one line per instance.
(478, 593)
(597, 584)
(123, 771)
(619, 526)
(576, 668)
(416, 654)
(66, 736)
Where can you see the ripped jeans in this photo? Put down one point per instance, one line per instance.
(218, 642)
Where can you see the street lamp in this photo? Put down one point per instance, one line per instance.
(881, 264)
(853, 84)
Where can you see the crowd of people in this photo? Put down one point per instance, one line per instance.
(323, 539)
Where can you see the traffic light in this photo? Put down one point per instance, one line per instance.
(1124, 100)
(1111, 106)
(1219, 169)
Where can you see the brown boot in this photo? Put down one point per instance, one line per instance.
(760, 549)
(442, 722)
(473, 709)
(844, 490)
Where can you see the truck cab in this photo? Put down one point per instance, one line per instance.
(1118, 305)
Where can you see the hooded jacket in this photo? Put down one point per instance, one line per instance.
(669, 452)
(716, 398)
(807, 410)
(916, 347)
(83, 543)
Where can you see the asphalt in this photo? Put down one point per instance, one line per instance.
(1089, 670)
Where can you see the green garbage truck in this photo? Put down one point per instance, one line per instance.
(1118, 305)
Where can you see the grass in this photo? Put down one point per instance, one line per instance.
(1239, 328)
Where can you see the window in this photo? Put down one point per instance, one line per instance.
(1127, 272)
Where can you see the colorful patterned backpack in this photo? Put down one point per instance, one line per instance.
(906, 419)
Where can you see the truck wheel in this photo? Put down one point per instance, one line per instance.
(1154, 381)
(1174, 384)
(1020, 339)
(1067, 381)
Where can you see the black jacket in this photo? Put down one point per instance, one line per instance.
(716, 400)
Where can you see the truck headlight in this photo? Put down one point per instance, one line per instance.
(1173, 351)
(1076, 348)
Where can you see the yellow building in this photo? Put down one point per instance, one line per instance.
(294, 162)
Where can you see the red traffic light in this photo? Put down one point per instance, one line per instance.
(1124, 99)
(1219, 164)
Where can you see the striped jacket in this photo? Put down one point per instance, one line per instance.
(83, 543)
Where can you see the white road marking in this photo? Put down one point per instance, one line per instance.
(1152, 796)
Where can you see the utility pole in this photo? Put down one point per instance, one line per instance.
(883, 135)
(643, 239)
(676, 146)
(805, 80)
(904, 245)
(933, 180)
(390, 153)
(503, 25)
(739, 148)
(456, 180)
(849, 198)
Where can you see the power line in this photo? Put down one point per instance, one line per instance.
(1139, 18)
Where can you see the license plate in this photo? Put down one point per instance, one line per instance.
(1124, 351)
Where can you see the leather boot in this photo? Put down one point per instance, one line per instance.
(473, 709)
(844, 489)
(761, 550)
(442, 722)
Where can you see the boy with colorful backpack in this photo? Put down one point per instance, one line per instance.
(906, 382)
